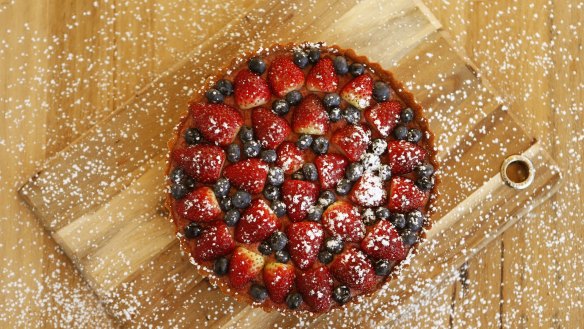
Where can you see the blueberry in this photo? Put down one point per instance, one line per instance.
(272, 192)
(257, 65)
(189, 182)
(370, 162)
(251, 149)
(407, 115)
(425, 183)
(177, 175)
(409, 237)
(192, 230)
(278, 240)
(279, 208)
(341, 66)
(258, 293)
(380, 91)
(368, 217)
(232, 217)
(382, 213)
(341, 294)
(313, 55)
(241, 199)
(400, 132)
(320, 145)
(304, 142)
(214, 96)
(414, 135)
(335, 114)
(275, 176)
(333, 244)
(178, 191)
(415, 220)
(354, 171)
(225, 87)
(344, 186)
(315, 213)
(325, 257)
(265, 248)
(293, 300)
(221, 266)
(300, 59)
(352, 115)
(268, 156)
(280, 107)
(294, 97)
(221, 187)
(378, 146)
(309, 171)
(226, 204)
(382, 267)
(398, 220)
(233, 153)
(384, 172)
(356, 69)
(246, 133)
(326, 198)
(425, 170)
(331, 100)
(298, 175)
(282, 256)
(193, 136)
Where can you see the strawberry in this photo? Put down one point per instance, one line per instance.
(354, 269)
(244, 266)
(384, 242)
(257, 223)
(404, 156)
(405, 196)
(249, 175)
(278, 279)
(290, 157)
(219, 123)
(215, 241)
(250, 90)
(352, 140)
(343, 219)
(358, 91)
(369, 191)
(316, 287)
(284, 76)
(200, 205)
(203, 162)
(384, 116)
(310, 117)
(298, 196)
(304, 243)
(270, 129)
(322, 76)
(331, 168)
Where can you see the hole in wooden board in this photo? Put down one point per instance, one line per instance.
(517, 171)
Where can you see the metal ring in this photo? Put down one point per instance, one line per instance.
(530, 174)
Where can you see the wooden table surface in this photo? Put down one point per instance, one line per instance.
(56, 56)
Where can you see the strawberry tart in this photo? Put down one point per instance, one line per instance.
(301, 177)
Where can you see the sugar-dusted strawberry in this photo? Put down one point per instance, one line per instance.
(202, 162)
(200, 205)
(322, 76)
(244, 266)
(278, 279)
(405, 196)
(249, 175)
(354, 269)
(310, 117)
(215, 241)
(270, 129)
(304, 240)
(219, 123)
(331, 168)
(352, 140)
(342, 219)
(403, 156)
(384, 242)
(358, 91)
(284, 76)
(384, 116)
(369, 191)
(250, 90)
(316, 287)
(257, 223)
(298, 196)
(290, 157)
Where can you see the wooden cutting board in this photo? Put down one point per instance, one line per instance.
(101, 197)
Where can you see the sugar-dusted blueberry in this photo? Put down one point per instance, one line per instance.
(382, 267)
(356, 69)
(294, 97)
(278, 207)
(414, 135)
(178, 191)
(280, 107)
(415, 220)
(326, 198)
(272, 192)
(424, 170)
(225, 204)
(177, 175)
(400, 132)
(341, 294)
(241, 199)
(225, 87)
(268, 156)
(304, 141)
(368, 216)
(384, 172)
(214, 96)
(192, 230)
(221, 187)
(354, 171)
(382, 213)
(378, 146)
(251, 149)
(335, 114)
(425, 183)
(320, 145)
(409, 237)
(221, 266)
(334, 244)
(398, 220)
(233, 153)
(331, 100)
(282, 256)
(352, 115)
(258, 293)
(245, 134)
(264, 248)
(370, 162)
(313, 55)
(193, 136)
(256, 65)
(344, 186)
(309, 171)
(315, 213)
(232, 217)
(341, 66)
(325, 257)
(381, 91)
(293, 300)
(300, 59)
(407, 115)
(275, 176)
(278, 240)
(298, 175)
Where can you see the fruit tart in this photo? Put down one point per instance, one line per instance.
(301, 176)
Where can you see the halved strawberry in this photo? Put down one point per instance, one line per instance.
(354, 269)
(298, 196)
(384, 242)
(304, 240)
(250, 90)
(257, 223)
(219, 123)
(322, 76)
(404, 156)
(203, 162)
(278, 279)
(352, 140)
(244, 266)
(369, 191)
(290, 157)
(331, 168)
(316, 287)
(284, 76)
(200, 205)
(405, 196)
(215, 241)
(249, 175)
(343, 219)
(310, 117)
(269, 128)
(384, 116)
(358, 91)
